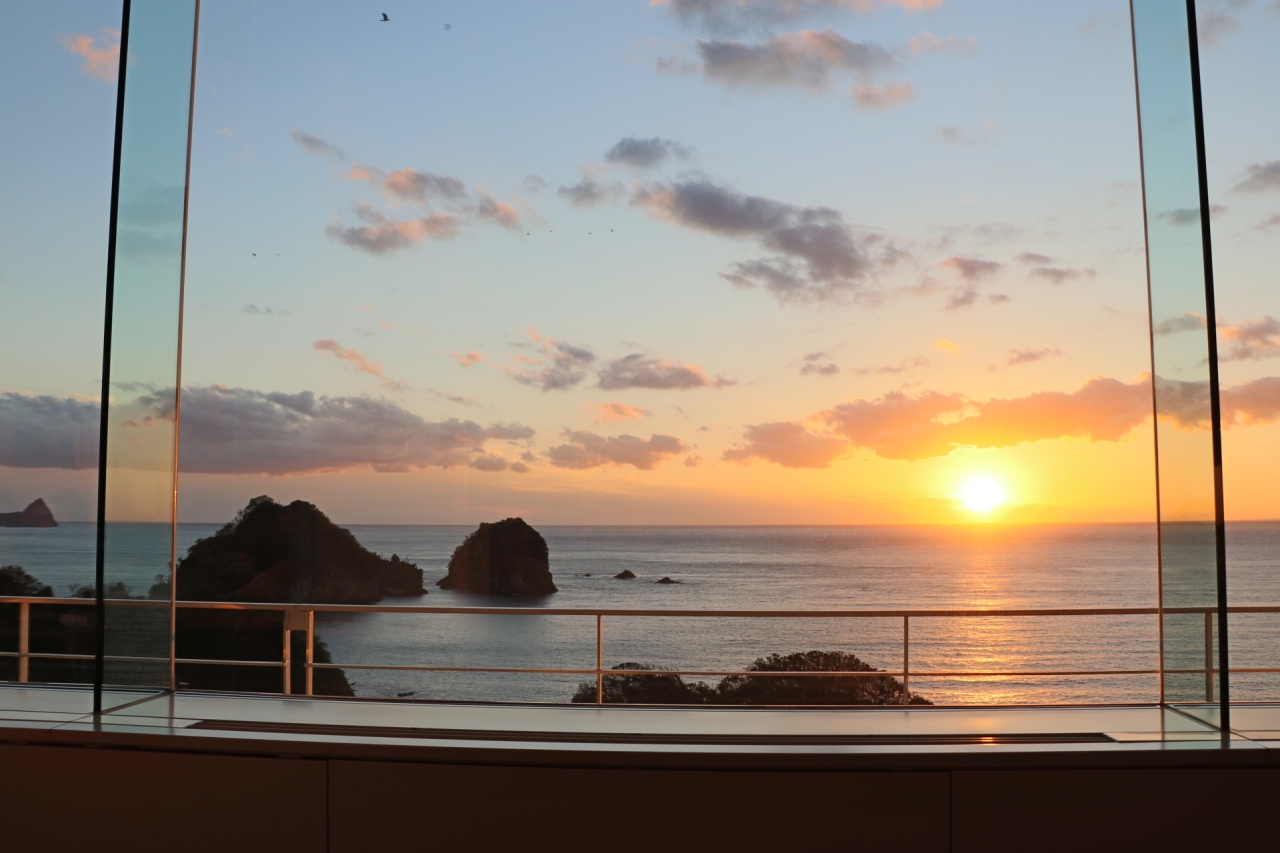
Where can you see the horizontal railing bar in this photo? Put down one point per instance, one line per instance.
(578, 611)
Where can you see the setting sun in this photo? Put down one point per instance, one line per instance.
(982, 493)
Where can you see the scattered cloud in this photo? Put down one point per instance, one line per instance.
(816, 256)
(1190, 215)
(872, 97)
(808, 59)
(1250, 340)
(1026, 356)
(316, 145)
(1033, 259)
(945, 345)
(101, 54)
(814, 363)
(1213, 25)
(646, 153)
(1186, 322)
(643, 371)
(901, 367)
(927, 42)
(1272, 221)
(558, 367)
(40, 431)
(585, 450)
(738, 15)
(1260, 177)
(382, 235)
(962, 297)
(614, 413)
(489, 209)
(467, 359)
(788, 444)
(489, 462)
(416, 186)
(265, 310)
(953, 135)
(1061, 275)
(589, 192)
(972, 269)
(534, 184)
(358, 360)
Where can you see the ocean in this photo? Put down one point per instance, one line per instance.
(766, 568)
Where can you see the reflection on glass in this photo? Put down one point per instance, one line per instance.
(139, 479)
(1180, 346)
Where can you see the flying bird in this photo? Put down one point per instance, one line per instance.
(448, 26)
(384, 17)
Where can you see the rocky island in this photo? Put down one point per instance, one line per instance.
(505, 557)
(37, 514)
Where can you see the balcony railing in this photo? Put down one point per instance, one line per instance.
(301, 617)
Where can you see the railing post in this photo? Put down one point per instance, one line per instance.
(288, 656)
(599, 659)
(1208, 656)
(906, 660)
(311, 649)
(24, 641)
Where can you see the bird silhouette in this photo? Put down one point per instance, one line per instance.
(255, 254)
(448, 26)
(384, 17)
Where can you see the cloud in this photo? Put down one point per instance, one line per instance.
(534, 184)
(559, 367)
(1026, 356)
(642, 371)
(787, 444)
(413, 185)
(1061, 275)
(40, 431)
(101, 54)
(467, 359)
(997, 298)
(587, 450)
(489, 462)
(1212, 26)
(737, 15)
(358, 360)
(1186, 322)
(1251, 340)
(645, 153)
(813, 365)
(1033, 259)
(489, 209)
(383, 235)
(944, 345)
(239, 431)
(809, 59)
(589, 192)
(972, 269)
(927, 43)
(1190, 215)
(872, 97)
(893, 369)
(316, 145)
(614, 413)
(1260, 177)
(954, 136)
(962, 297)
(265, 310)
(1272, 221)
(816, 256)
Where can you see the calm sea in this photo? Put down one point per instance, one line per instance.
(766, 568)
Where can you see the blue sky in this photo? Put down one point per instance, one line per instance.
(987, 182)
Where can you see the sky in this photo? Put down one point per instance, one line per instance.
(681, 262)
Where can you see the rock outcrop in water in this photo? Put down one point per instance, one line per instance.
(37, 514)
(625, 575)
(290, 553)
(506, 557)
(664, 688)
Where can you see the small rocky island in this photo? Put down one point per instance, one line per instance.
(505, 557)
(37, 514)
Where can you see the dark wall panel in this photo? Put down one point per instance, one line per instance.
(1096, 810)
(383, 806)
(64, 798)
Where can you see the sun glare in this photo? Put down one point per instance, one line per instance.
(982, 493)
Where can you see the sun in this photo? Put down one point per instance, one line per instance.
(982, 493)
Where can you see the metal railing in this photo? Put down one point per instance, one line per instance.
(301, 617)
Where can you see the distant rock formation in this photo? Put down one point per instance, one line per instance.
(37, 514)
(624, 575)
(506, 557)
(667, 580)
(290, 553)
(637, 687)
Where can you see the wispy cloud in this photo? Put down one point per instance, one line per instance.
(1251, 340)
(382, 234)
(816, 363)
(1186, 322)
(809, 59)
(101, 54)
(358, 361)
(467, 359)
(1260, 177)
(1031, 354)
(927, 43)
(1190, 215)
(788, 444)
(1062, 275)
(614, 413)
(869, 96)
(816, 256)
(639, 153)
(316, 145)
(558, 366)
(584, 450)
(643, 371)
(738, 15)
